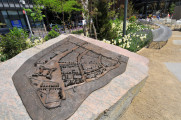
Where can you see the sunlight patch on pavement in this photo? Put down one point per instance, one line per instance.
(176, 35)
(175, 68)
(177, 42)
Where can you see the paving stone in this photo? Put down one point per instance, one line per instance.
(177, 42)
(175, 68)
(176, 35)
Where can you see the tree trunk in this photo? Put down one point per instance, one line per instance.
(85, 6)
(95, 33)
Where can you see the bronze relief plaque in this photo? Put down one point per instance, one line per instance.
(53, 83)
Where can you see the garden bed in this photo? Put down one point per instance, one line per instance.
(137, 35)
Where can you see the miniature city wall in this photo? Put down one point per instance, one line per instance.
(111, 92)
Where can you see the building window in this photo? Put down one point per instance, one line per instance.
(10, 1)
(7, 21)
(13, 15)
(4, 0)
(16, 1)
(1, 4)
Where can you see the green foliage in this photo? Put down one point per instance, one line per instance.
(61, 5)
(34, 41)
(172, 7)
(52, 34)
(77, 32)
(103, 21)
(104, 11)
(134, 27)
(55, 27)
(139, 40)
(132, 19)
(13, 43)
(137, 35)
(2, 56)
(131, 10)
(36, 12)
(53, 5)
(71, 5)
(111, 12)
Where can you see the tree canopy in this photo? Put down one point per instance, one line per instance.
(61, 5)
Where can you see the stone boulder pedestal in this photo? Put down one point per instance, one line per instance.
(121, 75)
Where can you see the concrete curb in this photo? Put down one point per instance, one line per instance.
(161, 34)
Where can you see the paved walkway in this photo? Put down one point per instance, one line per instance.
(160, 98)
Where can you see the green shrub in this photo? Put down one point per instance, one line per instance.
(102, 23)
(34, 41)
(132, 19)
(13, 43)
(139, 40)
(52, 34)
(55, 27)
(78, 32)
(2, 56)
(137, 35)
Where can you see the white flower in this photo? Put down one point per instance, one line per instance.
(119, 40)
(141, 38)
(108, 42)
(113, 25)
(128, 44)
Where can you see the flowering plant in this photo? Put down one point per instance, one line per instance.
(137, 35)
(132, 19)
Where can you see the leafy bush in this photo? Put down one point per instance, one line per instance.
(137, 35)
(132, 19)
(134, 27)
(172, 7)
(77, 32)
(136, 41)
(13, 43)
(2, 56)
(34, 41)
(52, 33)
(102, 19)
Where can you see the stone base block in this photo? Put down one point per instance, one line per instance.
(106, 103)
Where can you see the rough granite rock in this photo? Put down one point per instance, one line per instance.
(108, 102)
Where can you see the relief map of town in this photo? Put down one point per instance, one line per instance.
(53, 83)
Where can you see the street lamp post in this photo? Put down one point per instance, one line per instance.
(23, 4)
(125, 16)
